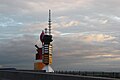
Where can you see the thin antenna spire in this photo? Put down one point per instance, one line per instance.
(49, 24)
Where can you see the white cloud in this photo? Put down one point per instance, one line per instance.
(7, 21)
(32, 27)
(59, 5)
(62, 17)
(110, 17)
(70, 24)
(94, 20)
(90, 37)
(56, 33)
(56, 25)
(104, 22)
(97, 37)
(107, 55)
(36, 6)
(116, 18)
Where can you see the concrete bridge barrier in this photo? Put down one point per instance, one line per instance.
(28, 75)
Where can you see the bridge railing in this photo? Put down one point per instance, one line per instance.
(28, 75)
(96, 74)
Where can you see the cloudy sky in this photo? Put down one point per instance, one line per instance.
(86, 33)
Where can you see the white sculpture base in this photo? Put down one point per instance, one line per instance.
(48, 68)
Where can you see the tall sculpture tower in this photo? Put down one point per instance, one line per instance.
(44, 54)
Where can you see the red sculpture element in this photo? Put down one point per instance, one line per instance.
(39, 54)
(42, 37)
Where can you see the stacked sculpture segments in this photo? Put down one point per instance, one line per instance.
(44, 54)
